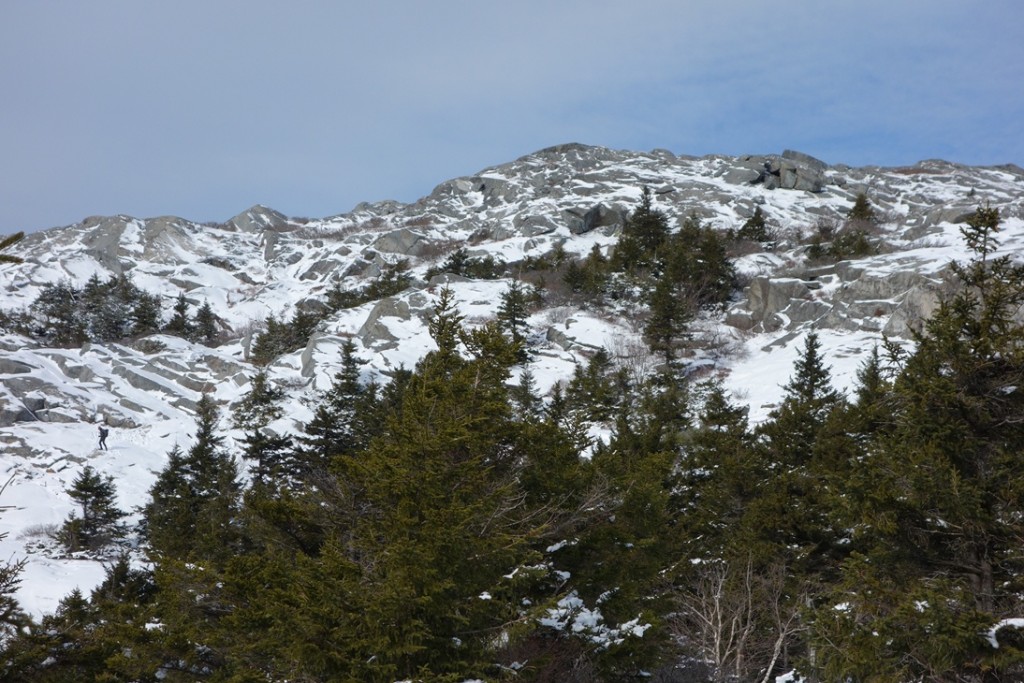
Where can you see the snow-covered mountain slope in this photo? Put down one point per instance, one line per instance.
(572, 197)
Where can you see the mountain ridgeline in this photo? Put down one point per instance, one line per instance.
(498, 434)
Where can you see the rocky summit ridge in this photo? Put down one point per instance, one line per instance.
(570, 197)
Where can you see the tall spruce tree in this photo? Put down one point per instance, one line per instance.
(441, 521)
(940, 494)
(513, 312)
(195, 497)
(99, 521)
(788, 520)
(180, 323)
(57, 305)
(205, 325)
(261, 405)
(345, 417)
(642, 239)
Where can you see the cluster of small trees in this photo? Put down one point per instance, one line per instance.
(107, 311)
(853, 238)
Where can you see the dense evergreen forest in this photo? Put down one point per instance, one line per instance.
(453, 524)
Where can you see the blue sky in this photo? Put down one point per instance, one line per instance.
(202, 109)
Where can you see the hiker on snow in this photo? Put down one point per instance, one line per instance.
(103, 437)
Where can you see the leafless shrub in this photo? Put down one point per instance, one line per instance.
(423, 221)
(559, 315)
(744, 248)
(635, 357)
(928, 243)
(718, 342)
(39, 531)
(374, 224)
(438, 249)
(739, 620)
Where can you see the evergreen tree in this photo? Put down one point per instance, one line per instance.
(513, 312)
(145, 314)
(648, 225)
(643, 236)
(862, 211)
(788, 522)
(441, 525)
(671, 314)
(940, 492)
(12, 617)
(273, 459)
(62, 324)
(205, 325)
(696, 259)
(718, 478)
(393, 278)
(808, 400)
(180, 323)
(282, 337)
(628, 544)
(755, 228)
(195, 497)
(261, 405)
(594, 391)
(100, 517)
(524, 396)
(346, 415)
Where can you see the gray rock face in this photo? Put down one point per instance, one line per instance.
(598, 217)
(402, 241)
(374, 331)
(259, 219)
(890, 301)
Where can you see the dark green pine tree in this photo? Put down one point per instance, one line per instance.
(260, 406)
(273, 458)
(808, 399)
(100, 518)
(346, 415)
(789, 521)
(594, 393)
(69, 644)
(696, 260)
(648, 225)
(718, 477)
(195, 498)
(145, 314)
(941, 491)
(525, 398)
(755, 228)
(58, 306)
(642, 239)
(206, 325)
(513, 311)
(631, 540)
(861, 211)
(441, 521)
(180, 324)
(671, 313)
(12, 618)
